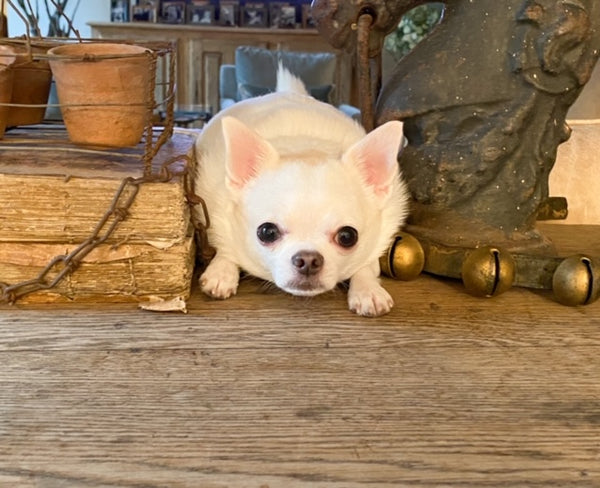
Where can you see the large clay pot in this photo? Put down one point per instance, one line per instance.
(7, 58)
(31, 85)
(103, 90)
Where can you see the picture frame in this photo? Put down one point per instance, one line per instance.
(229, 13)
(307, 18)
(144, 13)
(173, 12)
(282, 15)
(200, 13)
(254, 15)
(119, 11)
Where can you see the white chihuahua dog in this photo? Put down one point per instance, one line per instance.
(299, 195)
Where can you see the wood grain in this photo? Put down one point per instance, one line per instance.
(268, 390)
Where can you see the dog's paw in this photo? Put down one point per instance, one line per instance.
(366, 296)
(220, 279)
(370, 302)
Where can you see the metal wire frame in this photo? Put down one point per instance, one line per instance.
(163, 51)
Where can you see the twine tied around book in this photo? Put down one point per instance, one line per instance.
(61, 266)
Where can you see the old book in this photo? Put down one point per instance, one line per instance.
(59, 194)
(52, 198)
(113, 273)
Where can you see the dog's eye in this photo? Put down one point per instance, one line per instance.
(268, 233)
(347, 237)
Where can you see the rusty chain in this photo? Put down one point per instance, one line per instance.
(62, 265)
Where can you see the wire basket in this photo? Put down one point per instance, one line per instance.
(26, 61)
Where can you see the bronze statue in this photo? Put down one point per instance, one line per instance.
(484, 99)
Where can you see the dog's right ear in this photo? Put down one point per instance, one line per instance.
(246, 152)
(376, 157)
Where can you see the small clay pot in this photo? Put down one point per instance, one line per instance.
(103, 90)
(31, 85)
(7, 58)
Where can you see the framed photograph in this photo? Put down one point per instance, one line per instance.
(229, 14)
(173, 12)
(282, 15)
(307, 19)
(143, 13)
(200, 13)
(119, 11)
(254, 15)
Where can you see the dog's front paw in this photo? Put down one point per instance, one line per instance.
(371, 302)
(366, 296)
(220, 279)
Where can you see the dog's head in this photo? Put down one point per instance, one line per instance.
(309, 220)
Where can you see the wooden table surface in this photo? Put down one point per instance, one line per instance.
(268, 390)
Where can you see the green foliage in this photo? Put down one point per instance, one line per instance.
(413, 27)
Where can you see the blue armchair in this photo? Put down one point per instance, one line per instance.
(255, 73)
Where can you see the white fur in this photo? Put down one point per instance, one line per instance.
(301, 164)
(286, 82)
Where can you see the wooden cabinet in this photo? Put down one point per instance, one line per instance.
(201, 51)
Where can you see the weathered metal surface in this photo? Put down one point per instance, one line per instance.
(337, 19)
(485, 112)
(405, 259)
(491, 270)
(554, 208)
(484, 100)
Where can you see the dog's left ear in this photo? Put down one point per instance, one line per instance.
(376, 156)
(246, 152)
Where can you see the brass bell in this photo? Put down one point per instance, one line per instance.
(405, 259)
(488, 271)
(576, 281)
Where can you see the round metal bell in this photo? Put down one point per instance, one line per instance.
(405, 258)
(576, 281)
(488, 271)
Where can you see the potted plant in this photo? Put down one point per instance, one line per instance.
(7, 59)
(104, 91)
(31, 75)
(103, 88)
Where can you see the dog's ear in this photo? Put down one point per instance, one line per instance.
(376, 156)
(245, 152)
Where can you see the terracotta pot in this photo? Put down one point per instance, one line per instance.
(103, 89)
(31, 85)
(7, 58)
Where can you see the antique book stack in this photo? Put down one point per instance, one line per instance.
(52, 199)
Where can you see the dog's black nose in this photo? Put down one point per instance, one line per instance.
(308, 263)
